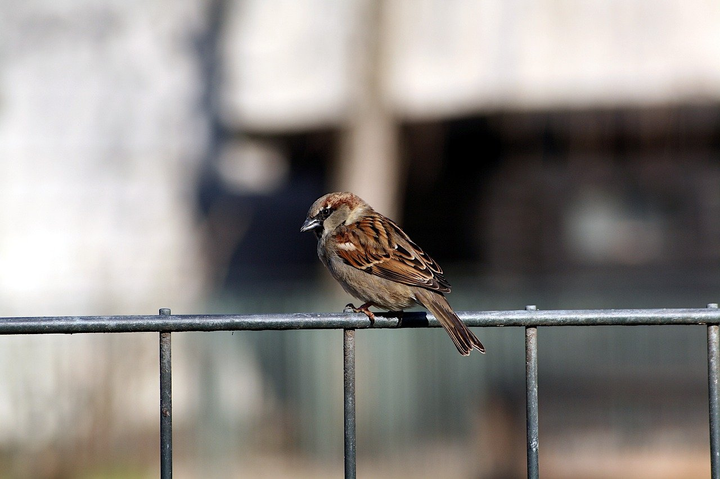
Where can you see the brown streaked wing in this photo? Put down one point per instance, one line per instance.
(378, 246)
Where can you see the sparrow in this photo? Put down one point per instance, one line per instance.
(377, 263)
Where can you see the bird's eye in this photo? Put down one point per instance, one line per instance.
(324, 213)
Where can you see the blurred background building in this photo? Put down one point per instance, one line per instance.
(164, 154)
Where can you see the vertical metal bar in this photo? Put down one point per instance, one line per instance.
(349, 402)
(713, 347)
(165, 403)
(531, 392)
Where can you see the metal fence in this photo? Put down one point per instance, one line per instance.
(531, 319)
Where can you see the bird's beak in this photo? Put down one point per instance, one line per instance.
(310, 224)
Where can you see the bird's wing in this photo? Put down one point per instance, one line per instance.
(376, 245)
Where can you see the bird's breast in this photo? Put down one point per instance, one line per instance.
(365, 286)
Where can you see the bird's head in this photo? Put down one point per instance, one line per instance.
(332, 210)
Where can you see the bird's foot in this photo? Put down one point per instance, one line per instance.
(365, 308)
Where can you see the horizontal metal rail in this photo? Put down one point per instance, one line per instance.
(257, 322)
(530, 318)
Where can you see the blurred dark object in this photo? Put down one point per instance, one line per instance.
(253, 200)
(550, 192)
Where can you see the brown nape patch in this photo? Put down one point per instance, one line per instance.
(335, 200)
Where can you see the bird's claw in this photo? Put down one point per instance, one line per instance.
(365, 309)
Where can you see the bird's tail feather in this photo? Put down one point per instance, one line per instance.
(464, 339)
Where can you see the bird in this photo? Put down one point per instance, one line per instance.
(377, 263)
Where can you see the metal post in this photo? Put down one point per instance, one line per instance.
(531, 405)
(349, 403)
(713, 347)
(165, 403)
